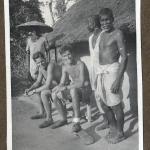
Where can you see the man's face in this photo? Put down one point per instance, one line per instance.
(91, 24)
(67, 57)
(106, 22)
(40, 62)
(33, 35)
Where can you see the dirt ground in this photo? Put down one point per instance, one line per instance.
(27, 135)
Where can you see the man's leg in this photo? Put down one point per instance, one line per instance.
(40, 108)
(104, 122)
(61, 107)
(111, 120)
(45, 96)
(76, 108)
(118, 111)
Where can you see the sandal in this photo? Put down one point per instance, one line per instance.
(59, 124)
(46, 123)
(38, 116)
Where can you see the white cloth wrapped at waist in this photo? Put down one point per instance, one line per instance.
(105, 76)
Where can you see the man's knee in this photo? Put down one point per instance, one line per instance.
(56, 96)
(45, 93)
(118, 109)
(74, 93)
(104, 106)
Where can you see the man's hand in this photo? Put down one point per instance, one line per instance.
(115, 86)
(26, 92)
(55, 89)
(58, 88)
(32, 92)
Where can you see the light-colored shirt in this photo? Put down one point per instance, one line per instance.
(33, 47)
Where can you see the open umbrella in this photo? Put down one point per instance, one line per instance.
(35, 25)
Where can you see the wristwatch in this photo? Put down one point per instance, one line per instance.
(34, 91)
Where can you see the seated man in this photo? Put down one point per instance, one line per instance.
(79, 88)
(48, 77)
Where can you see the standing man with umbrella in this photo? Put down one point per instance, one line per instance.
(35, 43)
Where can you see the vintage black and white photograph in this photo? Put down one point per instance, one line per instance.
(73, 75)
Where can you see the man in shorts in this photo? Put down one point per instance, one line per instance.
(77, 90)
(48, 77)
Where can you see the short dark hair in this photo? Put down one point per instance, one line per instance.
(65, 48)
(106, 11)
(96, 20)
(38, 55)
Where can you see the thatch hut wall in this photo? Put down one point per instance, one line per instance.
(72, 28)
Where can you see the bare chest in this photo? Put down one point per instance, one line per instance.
(107, 42)
(74, 72)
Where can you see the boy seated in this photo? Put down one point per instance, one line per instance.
(78, 89)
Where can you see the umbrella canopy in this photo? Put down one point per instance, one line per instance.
(35, 25)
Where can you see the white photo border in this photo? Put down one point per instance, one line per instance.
(8, 73)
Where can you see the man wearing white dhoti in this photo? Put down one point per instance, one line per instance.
(110, 73)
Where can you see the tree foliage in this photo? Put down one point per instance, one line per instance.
(20, 12)
(60, 7)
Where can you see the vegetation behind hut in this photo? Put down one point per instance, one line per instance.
(20, 12)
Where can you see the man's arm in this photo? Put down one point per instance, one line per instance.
(61, 85)
(63, 77)
(49, 78)
(79, 83)
(122, 50)
(123, 54)
(37, 83)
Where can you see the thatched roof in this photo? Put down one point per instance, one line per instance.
(73, 25)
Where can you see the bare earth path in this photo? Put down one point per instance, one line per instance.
(27, 135)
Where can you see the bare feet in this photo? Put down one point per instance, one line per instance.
(112, 132)
(116, 139)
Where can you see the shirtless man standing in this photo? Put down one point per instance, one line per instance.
(78, 89)
(48, 77)
(110, 73)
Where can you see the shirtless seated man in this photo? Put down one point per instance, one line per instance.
(110, 74)
(77, 90)
(48, 77)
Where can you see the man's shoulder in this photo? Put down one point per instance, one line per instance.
(118, 32)
(51, 64)
(80, 63)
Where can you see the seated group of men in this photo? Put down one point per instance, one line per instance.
(71, 82)
(57, 84)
